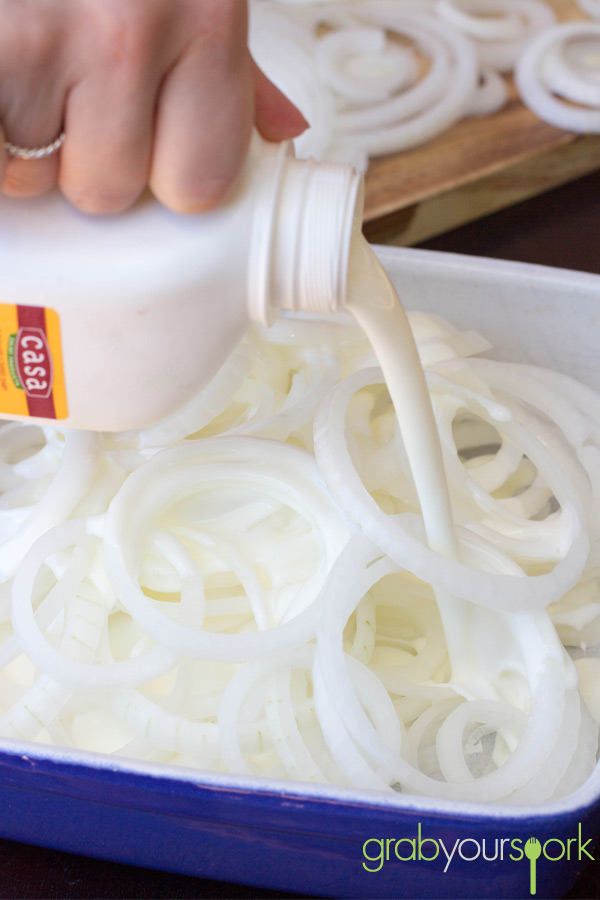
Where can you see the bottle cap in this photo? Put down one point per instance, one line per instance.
(300, 246)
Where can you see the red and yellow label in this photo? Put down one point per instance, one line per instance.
(32, 380)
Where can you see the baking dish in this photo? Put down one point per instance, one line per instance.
(321, 840)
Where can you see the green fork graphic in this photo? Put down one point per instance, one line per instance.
(533, 849)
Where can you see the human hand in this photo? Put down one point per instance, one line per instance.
(159, 93)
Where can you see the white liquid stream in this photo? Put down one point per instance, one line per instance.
(374, 302)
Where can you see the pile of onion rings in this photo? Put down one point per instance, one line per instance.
(374, 77)
(246, 586)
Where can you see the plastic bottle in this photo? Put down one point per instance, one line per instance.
(111, 323)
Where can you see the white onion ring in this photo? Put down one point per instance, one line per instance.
(461, 14)
(131, 672)
(384, 68)
(75, 474)
(541, 734)
(238, 462)
(235, 697)
(402, 122)
(538, 97)
(503, 55)
(574, 79)
(412, 101)
(502, 592)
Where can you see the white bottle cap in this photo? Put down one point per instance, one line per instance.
(301, 244)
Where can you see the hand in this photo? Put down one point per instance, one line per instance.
(159, 93)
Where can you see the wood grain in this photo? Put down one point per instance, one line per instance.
(477, 167)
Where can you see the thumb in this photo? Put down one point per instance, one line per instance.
(275, 116)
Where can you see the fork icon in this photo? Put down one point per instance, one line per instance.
(533, 849)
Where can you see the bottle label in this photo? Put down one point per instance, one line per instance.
(32, 381)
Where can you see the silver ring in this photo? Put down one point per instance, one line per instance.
(35, 152)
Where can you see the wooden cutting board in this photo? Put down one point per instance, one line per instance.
(477, 167)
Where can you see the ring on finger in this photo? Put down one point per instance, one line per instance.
(28, 153)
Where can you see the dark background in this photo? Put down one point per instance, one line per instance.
(561, 228)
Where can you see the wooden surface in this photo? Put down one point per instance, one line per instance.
(477, 167)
